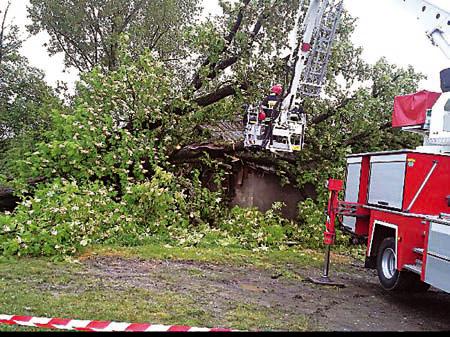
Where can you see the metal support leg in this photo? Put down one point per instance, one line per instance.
(326, 267)
(324, 279)
(334, 186)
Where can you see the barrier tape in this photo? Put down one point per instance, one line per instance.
(98, 326)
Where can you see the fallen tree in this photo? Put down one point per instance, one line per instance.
(118, 160)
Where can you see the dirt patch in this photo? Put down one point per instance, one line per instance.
(361, 305)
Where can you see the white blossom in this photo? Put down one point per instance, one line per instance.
(27, 203)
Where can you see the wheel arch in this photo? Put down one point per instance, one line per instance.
(381, 230)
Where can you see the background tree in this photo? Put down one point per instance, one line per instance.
(88, 31)
(23, 93)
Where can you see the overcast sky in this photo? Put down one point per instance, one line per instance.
(384, 28)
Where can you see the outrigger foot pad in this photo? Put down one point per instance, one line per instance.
(325, 281)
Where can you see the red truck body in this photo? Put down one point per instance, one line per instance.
(402, 195)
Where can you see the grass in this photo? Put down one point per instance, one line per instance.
(41, 287)
(245, 315)
(218, 255)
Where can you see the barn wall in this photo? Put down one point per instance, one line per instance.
(261, 189)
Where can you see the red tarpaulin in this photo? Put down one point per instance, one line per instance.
(411, 110)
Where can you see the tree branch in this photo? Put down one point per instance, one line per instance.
(332, 111)
(130, 15)
(224, 64)
(61, 44)
(75, 45)
(360, 136)
(219, 94)
(197, 82)
(96, 20)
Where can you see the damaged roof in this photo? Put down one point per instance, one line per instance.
(229, 131)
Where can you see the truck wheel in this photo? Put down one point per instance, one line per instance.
(390, 278)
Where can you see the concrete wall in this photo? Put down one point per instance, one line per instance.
(259, 189)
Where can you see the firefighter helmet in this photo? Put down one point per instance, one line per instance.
(277, 89)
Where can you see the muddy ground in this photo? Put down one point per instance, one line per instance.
(361, 306)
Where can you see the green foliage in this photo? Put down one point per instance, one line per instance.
(63, 217)
(108, 178)
(312, 219)
(117, 131)
(88, 32)
(23, 93)
(205, 38)
(254, 229)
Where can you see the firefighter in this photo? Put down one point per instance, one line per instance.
(271, 104)
(270, 110)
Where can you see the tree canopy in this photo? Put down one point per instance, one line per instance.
(88, 31)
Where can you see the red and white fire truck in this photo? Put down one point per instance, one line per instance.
(399, 201)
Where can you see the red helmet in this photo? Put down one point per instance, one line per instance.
(277, 89)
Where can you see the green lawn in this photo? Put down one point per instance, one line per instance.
(220, 255)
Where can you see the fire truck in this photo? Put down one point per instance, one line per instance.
(398, 202)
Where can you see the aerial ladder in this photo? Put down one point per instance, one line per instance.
(310, 62)
(398, 201)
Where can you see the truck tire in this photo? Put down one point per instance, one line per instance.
(390, 278)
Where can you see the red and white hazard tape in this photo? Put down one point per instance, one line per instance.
(97, 326)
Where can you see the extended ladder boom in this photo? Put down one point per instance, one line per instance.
(310, 23)
(319, 28)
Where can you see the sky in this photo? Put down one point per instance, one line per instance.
(384, 29)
